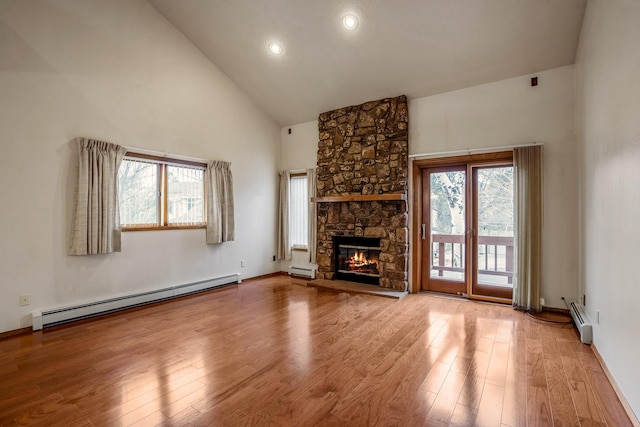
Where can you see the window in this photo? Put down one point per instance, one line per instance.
(299, 212)
(156, 193)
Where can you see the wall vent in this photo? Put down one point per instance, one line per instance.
(581, 321)
(307, 272)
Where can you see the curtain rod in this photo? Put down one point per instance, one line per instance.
(165, 154)
(472, 150)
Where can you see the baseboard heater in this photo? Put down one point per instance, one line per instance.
(581, 321)
(45, 318)
(309, 273)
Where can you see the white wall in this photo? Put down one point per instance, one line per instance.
(608, 128)
(117, 70)
(511, 112)
(298, 150)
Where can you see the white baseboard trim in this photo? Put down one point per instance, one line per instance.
(616, 389)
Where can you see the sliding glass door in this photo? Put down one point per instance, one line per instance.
(467, 229)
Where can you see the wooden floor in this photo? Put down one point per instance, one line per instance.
(271, 352)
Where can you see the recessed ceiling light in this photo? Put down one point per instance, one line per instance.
(350, 22)
(275, 48)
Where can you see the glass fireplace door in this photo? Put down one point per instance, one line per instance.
(357, 259)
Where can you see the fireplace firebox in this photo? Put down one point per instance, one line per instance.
(357, 259)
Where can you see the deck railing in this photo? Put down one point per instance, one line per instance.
(448, 251)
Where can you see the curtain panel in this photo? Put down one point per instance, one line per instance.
(284, 244)
(313, 231)
(527, 163)
(220, 206)
(95, 228)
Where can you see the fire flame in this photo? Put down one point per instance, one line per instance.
(359, 259)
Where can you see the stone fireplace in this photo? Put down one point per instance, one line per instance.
(362, 186)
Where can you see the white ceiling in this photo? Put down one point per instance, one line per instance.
(411, 47)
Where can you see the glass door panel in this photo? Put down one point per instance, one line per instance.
(494, 236)
(448, 225)
(445, 226)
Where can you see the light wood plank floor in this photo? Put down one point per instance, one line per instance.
(273, 352)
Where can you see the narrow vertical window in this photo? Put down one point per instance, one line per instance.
(299, 212)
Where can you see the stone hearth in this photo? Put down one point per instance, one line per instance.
(363, 152)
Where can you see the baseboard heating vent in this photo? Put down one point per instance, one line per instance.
(309, 273)
(581, 321)
(45, 318)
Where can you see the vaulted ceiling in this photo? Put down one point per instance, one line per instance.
(412, 47)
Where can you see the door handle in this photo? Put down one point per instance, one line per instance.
(424, 232)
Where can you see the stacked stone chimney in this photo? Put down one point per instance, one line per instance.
(363, 151)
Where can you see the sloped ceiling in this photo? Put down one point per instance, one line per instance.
(412, 47)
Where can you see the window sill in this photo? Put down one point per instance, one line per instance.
(168, 227)
(300, 249)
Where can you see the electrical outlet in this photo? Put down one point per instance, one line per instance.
(242, 263)
(25, 300)
(274, 258)
(541, 301)
(597, 317)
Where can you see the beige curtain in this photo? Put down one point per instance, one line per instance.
(95, 228)
(528, 246)
(312, 234)
(284, 246)
(220, 209)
